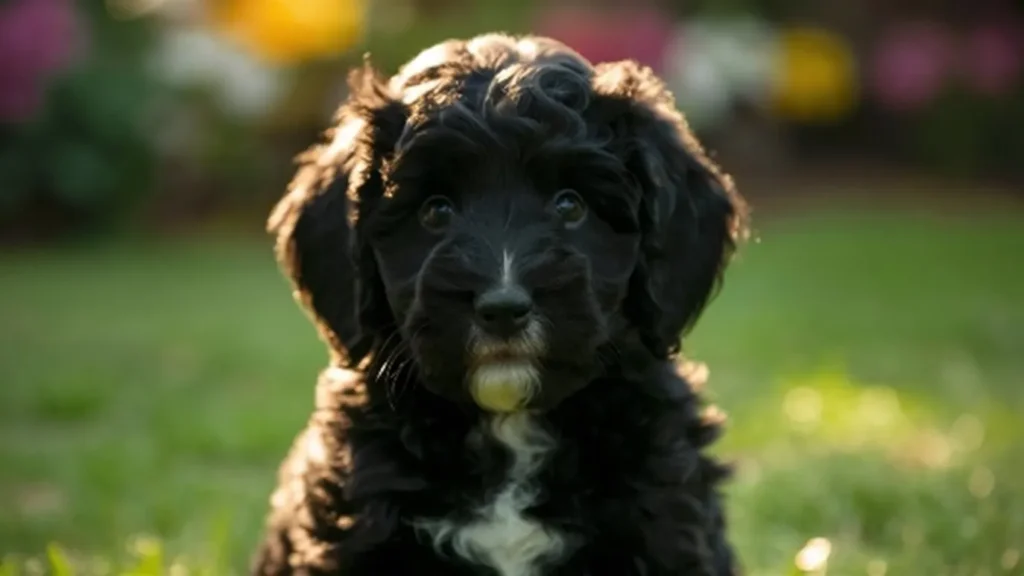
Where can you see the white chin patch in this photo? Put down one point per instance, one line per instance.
(505, 385)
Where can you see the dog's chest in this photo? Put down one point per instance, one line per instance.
(500, 534)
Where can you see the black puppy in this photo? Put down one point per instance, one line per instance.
(502, 245)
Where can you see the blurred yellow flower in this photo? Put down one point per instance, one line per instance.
(286, 31)
(815, 75)
(813, 557)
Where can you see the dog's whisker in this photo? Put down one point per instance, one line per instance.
(546, 323)
(609, 354)
(384, 371)
(403, 369)
(391, 343)
(389, 376)
(394, 333)
(402, 358)
(391, 348)
(400, 361)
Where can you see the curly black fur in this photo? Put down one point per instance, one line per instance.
(392, 440)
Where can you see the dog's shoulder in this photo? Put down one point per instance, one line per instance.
(632, 475)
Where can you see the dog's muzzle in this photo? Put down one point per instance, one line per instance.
(506, 343)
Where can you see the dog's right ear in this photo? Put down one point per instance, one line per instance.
(317, 223)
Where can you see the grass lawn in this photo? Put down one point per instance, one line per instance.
(871, 366)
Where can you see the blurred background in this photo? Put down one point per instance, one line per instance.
(867, 345)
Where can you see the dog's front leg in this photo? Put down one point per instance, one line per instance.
(277, 557)
(323, 523)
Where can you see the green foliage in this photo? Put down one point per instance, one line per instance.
(964, 134)
(88, 156)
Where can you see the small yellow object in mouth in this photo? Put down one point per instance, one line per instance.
(503, 387)
(499, 397)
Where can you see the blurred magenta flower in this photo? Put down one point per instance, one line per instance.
(37, 39)
(911, 64)
(993, 57)
(641, 33)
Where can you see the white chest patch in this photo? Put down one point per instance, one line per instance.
(499, 535)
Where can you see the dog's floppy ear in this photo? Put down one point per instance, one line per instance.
(317, 222)
(690, 212)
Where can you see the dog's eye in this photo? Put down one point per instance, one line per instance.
(436, 213)
(570, 208)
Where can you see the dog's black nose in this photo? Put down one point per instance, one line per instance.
(503, 311)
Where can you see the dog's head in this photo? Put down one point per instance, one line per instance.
(508, 213)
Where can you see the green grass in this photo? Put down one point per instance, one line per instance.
(871, 367)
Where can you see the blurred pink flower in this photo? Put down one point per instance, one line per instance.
(639, 33)
(993, 57)
(911, 64)
(37, 38)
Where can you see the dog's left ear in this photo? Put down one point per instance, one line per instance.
(691, 214)
(320, 244)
